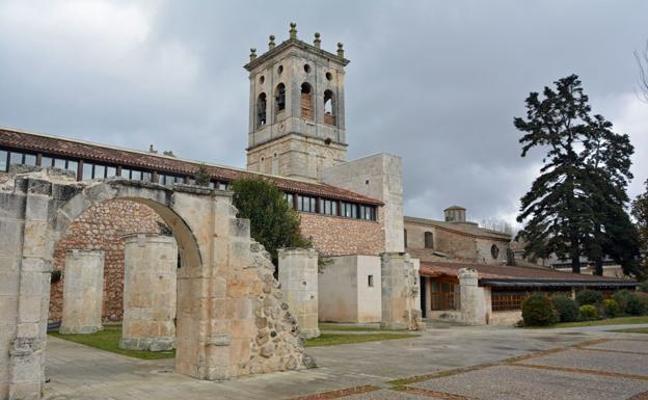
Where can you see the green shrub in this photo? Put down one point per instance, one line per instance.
(643, 286)
(537, 310)
(566, 308)
(636, 304)
(611, 308)
(588, 312)
(589, 297)
(621, 297)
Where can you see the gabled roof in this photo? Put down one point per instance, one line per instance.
(72, 148)
(465, 228)
(510, 276)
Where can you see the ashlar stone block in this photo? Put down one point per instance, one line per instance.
(83, 284)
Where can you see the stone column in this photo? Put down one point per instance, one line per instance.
(298, 275)
(473, 298)
(150, 265)
(83, 284)
(27, 353)
(401, 304)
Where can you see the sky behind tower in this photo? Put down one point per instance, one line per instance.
(437, 83)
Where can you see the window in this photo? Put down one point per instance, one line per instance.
(99, 172)
(329, 107)
(405, 237)
(349, 210)
(15, 158)
(306, 101)
(329, 76)
(328, 207)
(306, 204)
(59, 163)
(280, 97)
(30, 159)
(222, 186)
(368, 213)
(125, 173)
(46, 162)
(307, 68)
(110, 172)
(442, 295)
(136, 175)
(495, 251)
(3, 160)
(429, 240)
(72, 166)
(87, 171)
(261, 110)
(290, 198)
(370, 281)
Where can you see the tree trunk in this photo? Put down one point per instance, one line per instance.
(598, 268)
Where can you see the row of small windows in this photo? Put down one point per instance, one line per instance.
(306, 104)
(344, 209)
(91, 171)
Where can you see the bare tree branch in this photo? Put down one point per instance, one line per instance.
(642, 62)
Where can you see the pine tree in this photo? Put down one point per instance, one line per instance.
(640, 213)
(576, 207)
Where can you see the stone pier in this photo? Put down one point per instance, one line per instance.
(298, 276)
(150, 265)
(401, 304)
(83, 285)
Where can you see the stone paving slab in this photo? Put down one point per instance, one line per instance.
(388, 395)
(622, 363)
(633, 346)
(520, 383)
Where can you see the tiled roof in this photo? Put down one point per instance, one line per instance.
(71, 148)
(509, 273)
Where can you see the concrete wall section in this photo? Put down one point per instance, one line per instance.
(298, 277)
(380, 177)
(149, 292)
(369, 294)
(83, 292)
(338, 283)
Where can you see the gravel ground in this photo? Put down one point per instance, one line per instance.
(519, 383)
(623, 363)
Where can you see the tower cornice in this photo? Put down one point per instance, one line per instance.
(287, 44)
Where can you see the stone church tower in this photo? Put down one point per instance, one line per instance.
(296, 108)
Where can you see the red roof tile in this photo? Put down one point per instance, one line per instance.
(135, 159)
(501, 272)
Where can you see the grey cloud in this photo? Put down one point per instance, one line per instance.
(435, 82)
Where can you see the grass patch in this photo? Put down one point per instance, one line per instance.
(108, 340)
(611, 321)
(327, 326)
(333, 339)
(633, 330)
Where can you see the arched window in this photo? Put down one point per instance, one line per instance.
(329, 107)
(280, 97)
(306, 101)
(261, 110)
(429, 240)
(495, 251)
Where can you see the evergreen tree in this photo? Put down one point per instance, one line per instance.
(640, 213)
(273, 222)
(576, 207)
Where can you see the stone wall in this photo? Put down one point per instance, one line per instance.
(83, 292)
(380, 177)
(298, 273)
(401, 294)
(336, 236)
(102, 228)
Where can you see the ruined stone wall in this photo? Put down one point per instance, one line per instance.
(101, 228)
(336, 236)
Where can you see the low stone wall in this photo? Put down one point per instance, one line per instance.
(505, 318)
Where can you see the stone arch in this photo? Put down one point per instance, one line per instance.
(232, 320)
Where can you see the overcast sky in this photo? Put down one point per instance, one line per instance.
(437, 83)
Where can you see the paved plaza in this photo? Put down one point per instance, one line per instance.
(452, 363)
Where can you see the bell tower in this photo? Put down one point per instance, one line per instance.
(296, 108)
